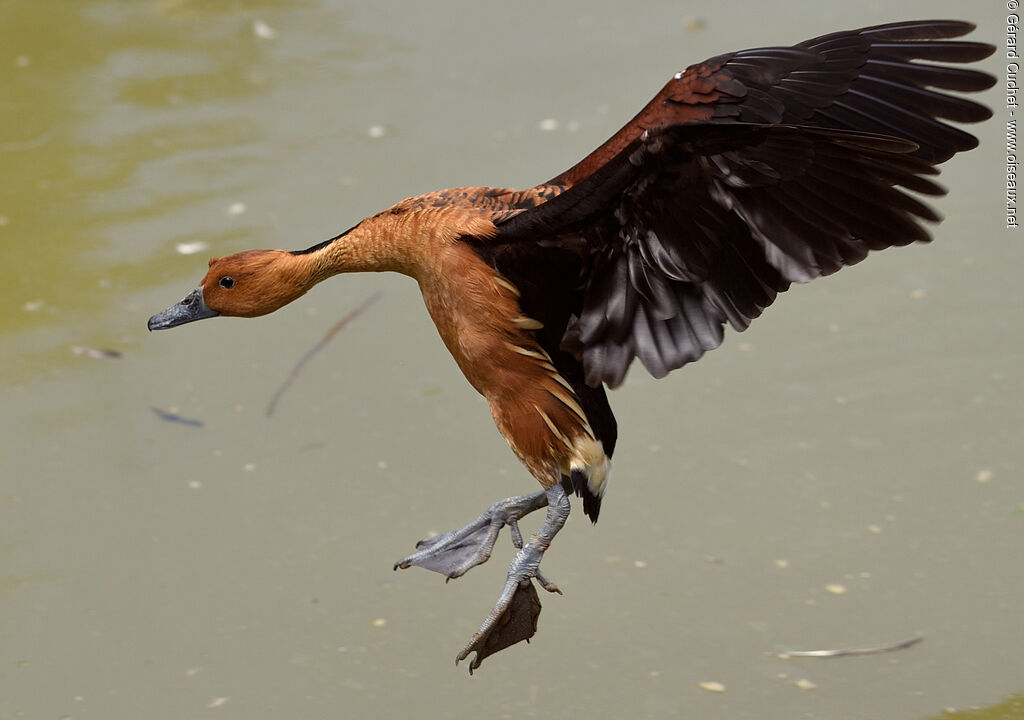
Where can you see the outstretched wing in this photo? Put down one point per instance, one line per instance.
(745, 174)
(863, 79)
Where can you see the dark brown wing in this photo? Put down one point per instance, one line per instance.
(857, 79)
(747, 173)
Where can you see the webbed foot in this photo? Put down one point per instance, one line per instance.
(514, 616)
(517, 622)
(456, 552)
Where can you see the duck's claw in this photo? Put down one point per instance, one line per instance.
(518, 621)
(456, 552)
(514, 616)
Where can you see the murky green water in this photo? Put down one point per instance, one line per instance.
(845, 474)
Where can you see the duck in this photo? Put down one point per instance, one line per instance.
(745, 174)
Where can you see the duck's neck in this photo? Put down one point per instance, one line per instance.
(368, 247)
(400, 240)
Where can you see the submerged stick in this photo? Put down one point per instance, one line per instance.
(174, 417)
(852, 651)
(317, 348)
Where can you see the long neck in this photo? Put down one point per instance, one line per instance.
(371, 246)
(408, 240)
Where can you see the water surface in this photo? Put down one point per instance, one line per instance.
(844, 474)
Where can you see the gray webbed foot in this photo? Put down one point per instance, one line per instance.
(514, 616)
(518, 622)
(456, 552)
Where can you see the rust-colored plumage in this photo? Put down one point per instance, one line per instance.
(746, 173)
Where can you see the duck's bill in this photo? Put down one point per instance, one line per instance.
(188, 310)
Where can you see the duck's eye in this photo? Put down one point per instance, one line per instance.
(227, 282)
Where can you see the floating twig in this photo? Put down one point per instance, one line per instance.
(317, 348)
(176, 418)
(852, 651)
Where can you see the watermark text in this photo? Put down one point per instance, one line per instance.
(1012, 85)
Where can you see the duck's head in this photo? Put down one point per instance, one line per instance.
(246, 284)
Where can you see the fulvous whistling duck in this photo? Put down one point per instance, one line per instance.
(746, 173)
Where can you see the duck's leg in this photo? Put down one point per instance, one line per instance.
(514, 616)
(455, 552)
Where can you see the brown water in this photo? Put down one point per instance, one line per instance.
(845, 474)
